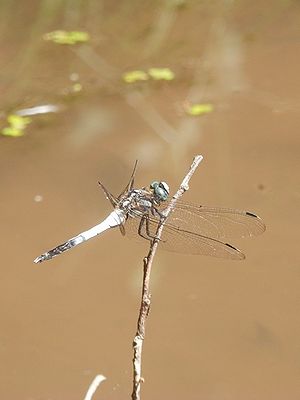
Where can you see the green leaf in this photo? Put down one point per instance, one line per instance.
(18, 122)
(11, 131)
(199, 109)
(161, 74)
(16, 125)
(77, 87)
(65, 37)
(135, 76)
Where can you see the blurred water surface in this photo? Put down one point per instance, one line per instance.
(217, 329)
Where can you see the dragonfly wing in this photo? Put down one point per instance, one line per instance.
(219, 223)
(181, 241)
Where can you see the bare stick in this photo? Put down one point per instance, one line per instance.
(146, 296)
(93, 386)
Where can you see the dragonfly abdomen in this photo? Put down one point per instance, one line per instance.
(60, 249)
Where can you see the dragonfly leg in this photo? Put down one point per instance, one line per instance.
(144, 227)
(141, 226)
(150, 236)
(148, 230)
(156, 212)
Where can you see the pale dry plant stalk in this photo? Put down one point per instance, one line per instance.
(146, 295)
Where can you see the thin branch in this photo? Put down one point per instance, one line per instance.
(146, 295)
(93, 386)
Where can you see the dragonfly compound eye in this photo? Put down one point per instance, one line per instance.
(161, 190)
(153, 185)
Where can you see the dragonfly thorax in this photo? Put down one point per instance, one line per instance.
(139, 202)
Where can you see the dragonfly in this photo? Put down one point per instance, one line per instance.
(189, 228)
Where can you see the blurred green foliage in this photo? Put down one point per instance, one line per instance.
(161, 74)
(64, 37)
(199, 109)
(157, 74)
(16, 125)
(135, 76)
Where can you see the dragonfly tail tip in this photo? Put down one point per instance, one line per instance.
(41, 258)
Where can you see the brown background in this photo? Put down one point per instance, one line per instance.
(217, 329)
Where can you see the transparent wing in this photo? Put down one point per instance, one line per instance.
(214, 222)
(181, 241)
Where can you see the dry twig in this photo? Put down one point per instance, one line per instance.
(146, 296)
(93, 386)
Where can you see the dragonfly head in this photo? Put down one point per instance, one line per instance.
(161, 190)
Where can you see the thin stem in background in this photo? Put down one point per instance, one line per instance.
(146, 295)
(93, 386)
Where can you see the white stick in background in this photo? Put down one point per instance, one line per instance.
(93, 386)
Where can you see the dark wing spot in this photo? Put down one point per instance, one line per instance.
(229, 245)
(241, 255)
(251, 214)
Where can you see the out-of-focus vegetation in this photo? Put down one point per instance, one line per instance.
(157, 74)
(16, 125)
(65, 37)
(135, 76)
(161, 74)
(198, 109)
